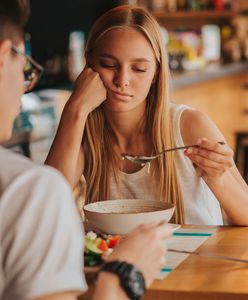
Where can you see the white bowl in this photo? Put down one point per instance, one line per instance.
(121, 216)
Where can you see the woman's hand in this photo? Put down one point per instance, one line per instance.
(211, 159)
(89, 91)
(145, 247)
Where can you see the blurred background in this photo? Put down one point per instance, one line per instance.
(207, 45)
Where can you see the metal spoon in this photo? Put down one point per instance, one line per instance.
(142, 160)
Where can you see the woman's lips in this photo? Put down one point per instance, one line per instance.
(121, 94)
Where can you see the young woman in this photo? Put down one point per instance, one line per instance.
(121, 103)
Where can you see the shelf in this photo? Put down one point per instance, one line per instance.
(211, 72)
(193, 19)
(210, 14)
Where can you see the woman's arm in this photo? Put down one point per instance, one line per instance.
(215, 164)
(66, 153)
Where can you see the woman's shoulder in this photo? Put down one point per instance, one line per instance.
(192, 116)
(195, 124)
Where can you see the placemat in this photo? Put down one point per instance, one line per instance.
(183, 239)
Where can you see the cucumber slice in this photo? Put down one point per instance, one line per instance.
(91, 247)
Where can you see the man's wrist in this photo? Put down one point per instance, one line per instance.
(109, 285)
(130, 278)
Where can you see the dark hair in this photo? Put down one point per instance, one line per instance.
(13, 16)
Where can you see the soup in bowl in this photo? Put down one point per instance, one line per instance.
(122, 216)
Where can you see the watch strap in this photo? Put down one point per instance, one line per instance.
(122, 270)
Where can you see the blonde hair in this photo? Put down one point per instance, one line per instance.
(98, 137)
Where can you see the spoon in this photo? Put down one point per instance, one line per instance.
(142, 160)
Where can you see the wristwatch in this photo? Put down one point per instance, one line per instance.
(131, 279)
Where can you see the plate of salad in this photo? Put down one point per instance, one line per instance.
(95, 248)
(98, 246)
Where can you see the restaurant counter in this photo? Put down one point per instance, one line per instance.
(188, 78)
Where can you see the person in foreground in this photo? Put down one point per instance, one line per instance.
(41, 240)
(121, 104)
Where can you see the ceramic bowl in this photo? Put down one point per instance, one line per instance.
(121, 216)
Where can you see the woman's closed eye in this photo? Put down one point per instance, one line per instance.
(139, 67)
(108, 65)
(139, 70)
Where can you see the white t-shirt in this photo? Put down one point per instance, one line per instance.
(201, 205)
(41, 239)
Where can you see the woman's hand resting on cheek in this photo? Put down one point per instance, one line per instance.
(212, 159)
(89, 91)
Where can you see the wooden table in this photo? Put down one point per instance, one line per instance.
(205, 278)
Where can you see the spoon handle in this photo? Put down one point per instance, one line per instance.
(178, 148)
(184, 147)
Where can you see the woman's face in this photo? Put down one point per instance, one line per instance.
(126, 64)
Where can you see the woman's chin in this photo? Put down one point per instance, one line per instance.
(116, 106)
(123, 106)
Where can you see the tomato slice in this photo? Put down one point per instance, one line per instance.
(102, 245)
(113, 240)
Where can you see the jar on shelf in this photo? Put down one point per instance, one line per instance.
(157, 5)
(218, 4)
(171, 5)
(181, 4)
(192, 4)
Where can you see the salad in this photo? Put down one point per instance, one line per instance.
(95, 247)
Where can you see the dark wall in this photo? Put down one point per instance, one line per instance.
(50, 24)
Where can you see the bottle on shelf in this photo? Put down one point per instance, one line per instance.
(192, 5)
(211, 43)
(158, 5)
(76, 60)
(171, 5)
(181, 4)
(218, 4)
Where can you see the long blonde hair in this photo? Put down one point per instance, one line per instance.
(98, 137)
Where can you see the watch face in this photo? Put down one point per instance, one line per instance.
(136, 282)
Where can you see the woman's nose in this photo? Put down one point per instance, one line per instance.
(122, 79)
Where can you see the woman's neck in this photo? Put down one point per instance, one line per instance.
(130, 134)
(127, 125)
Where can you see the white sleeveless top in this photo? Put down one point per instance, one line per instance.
(201, 206)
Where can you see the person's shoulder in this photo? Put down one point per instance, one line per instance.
(15, 163)
(176, 110)
(46, 177)
(48, 174)
(16, 167)
(197, 124)
(194, 117)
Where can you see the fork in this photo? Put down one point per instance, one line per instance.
(142, 160)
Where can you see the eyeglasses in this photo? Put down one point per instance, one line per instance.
(32, 70)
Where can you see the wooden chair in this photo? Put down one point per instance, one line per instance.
(241, 154)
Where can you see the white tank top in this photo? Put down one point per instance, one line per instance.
(201, 206)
